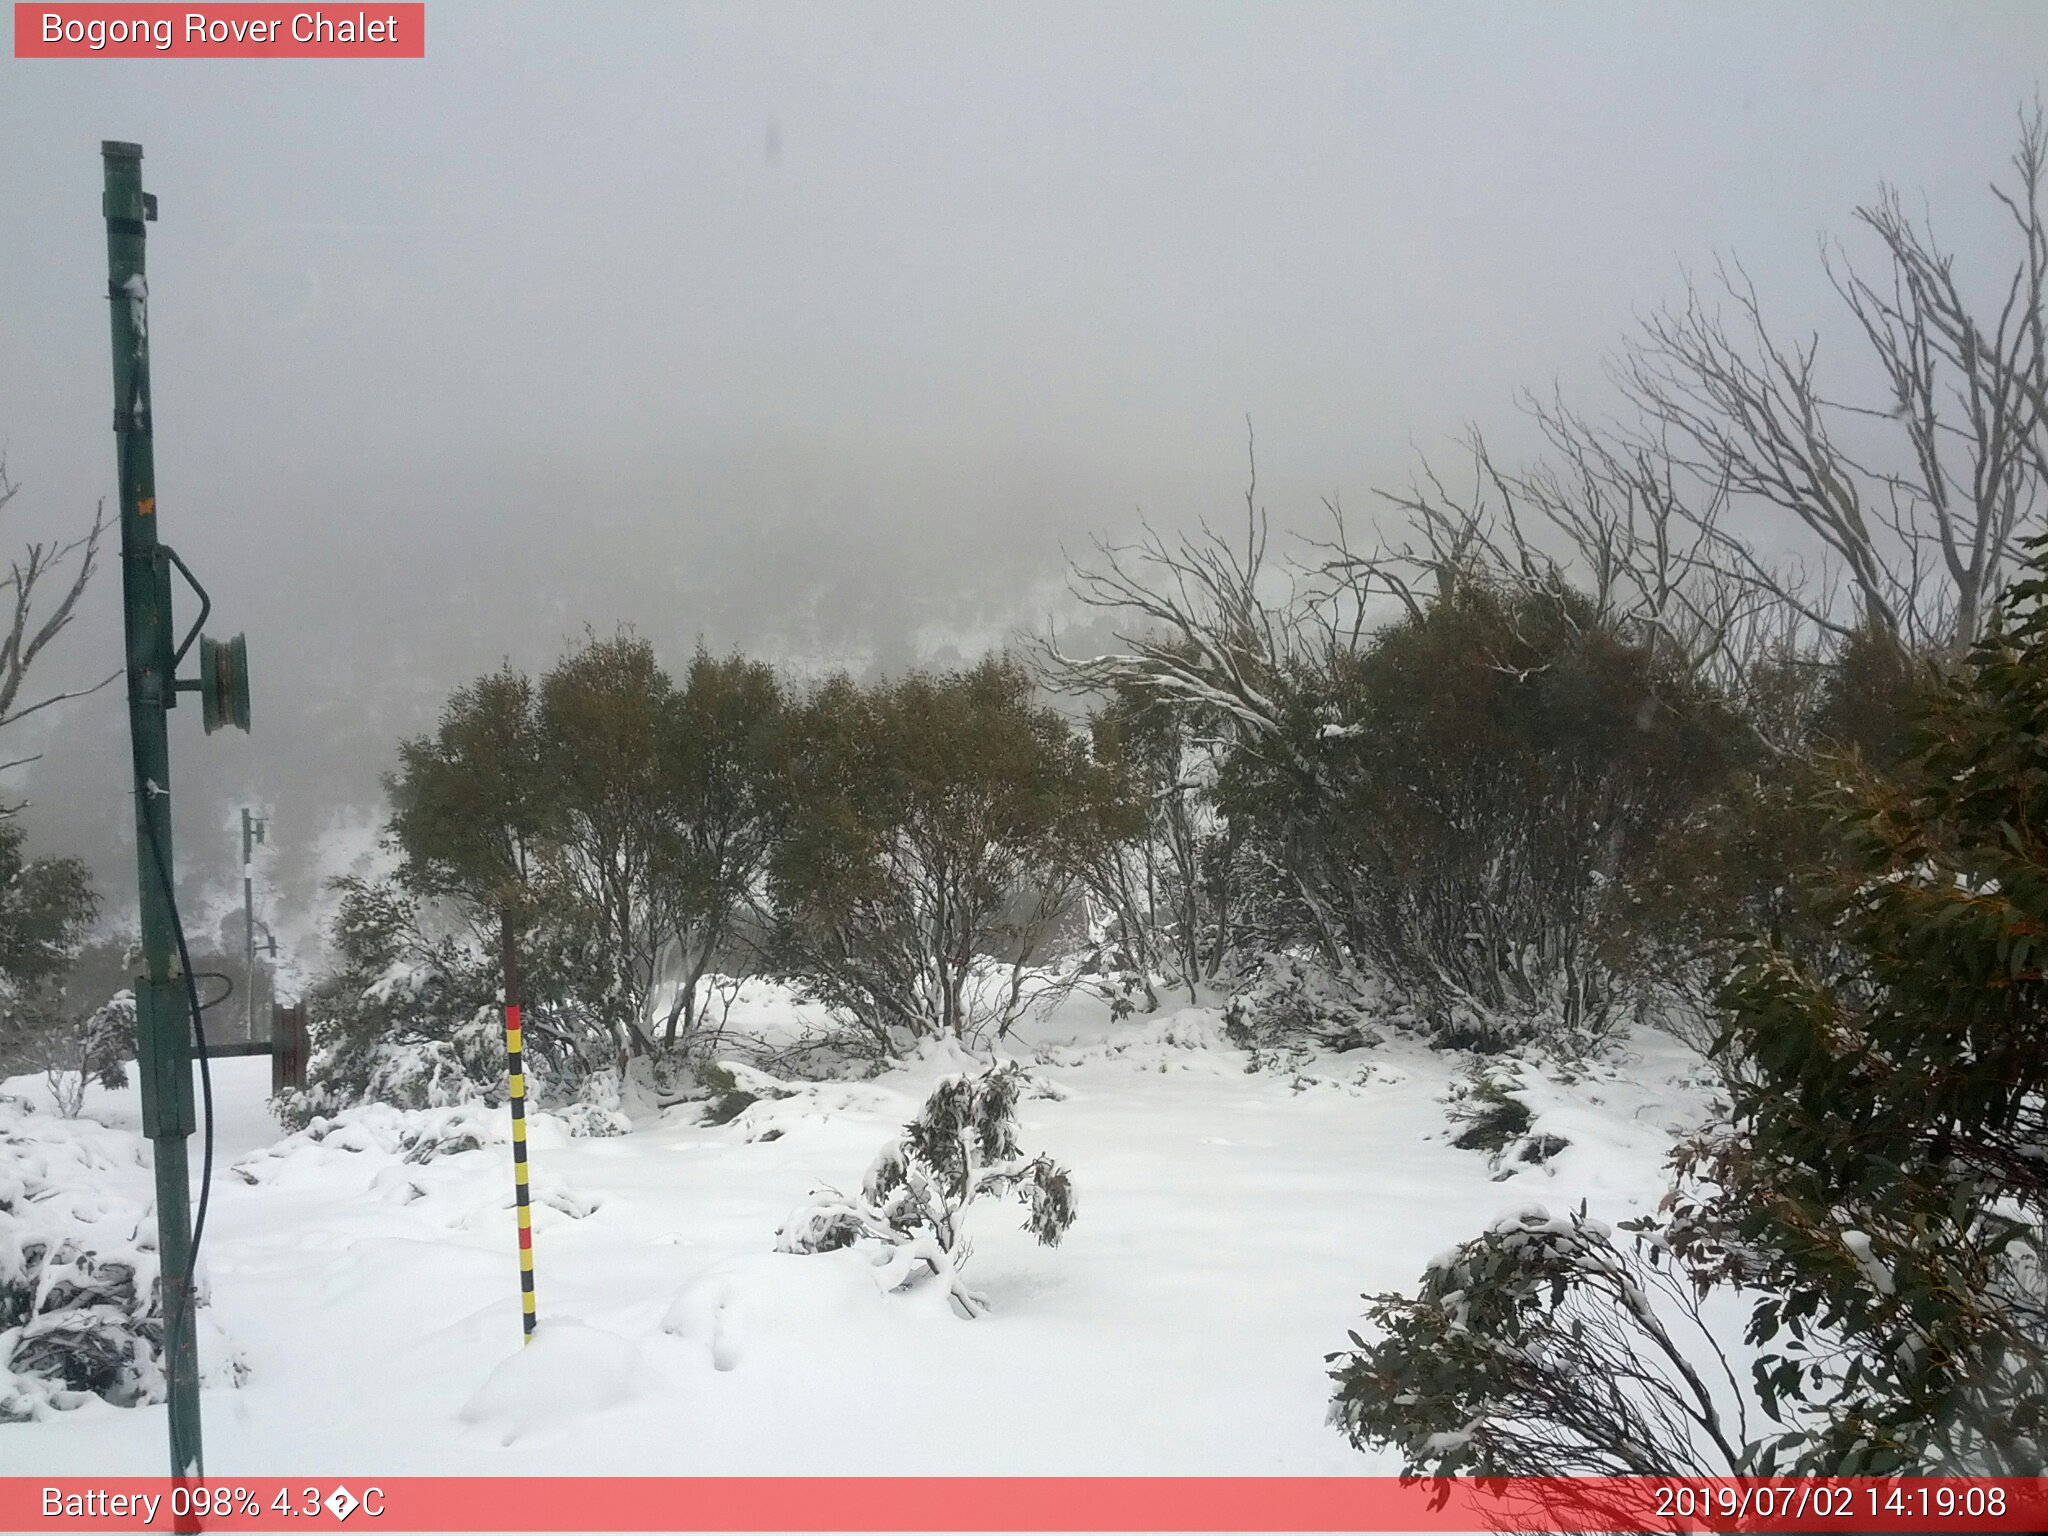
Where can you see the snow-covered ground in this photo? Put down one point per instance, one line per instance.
(1228, 1222)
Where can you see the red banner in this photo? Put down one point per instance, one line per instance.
(1022, 1504)
(360, 31)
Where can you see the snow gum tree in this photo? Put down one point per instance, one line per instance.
(26, 630)
(477, 824)
(930, 831)
(471, 813)
(609, 825)
(1742, 530)
(717, 743)
(1157, 876)
(601, 714)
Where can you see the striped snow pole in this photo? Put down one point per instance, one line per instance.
(515, 1052)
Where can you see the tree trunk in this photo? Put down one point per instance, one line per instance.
(508, 958)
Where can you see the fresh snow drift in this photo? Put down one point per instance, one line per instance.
(569, 1368)
(1229, 1222)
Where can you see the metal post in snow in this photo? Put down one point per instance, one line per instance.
(167, 1023)
(252, 832)
(163, 1027)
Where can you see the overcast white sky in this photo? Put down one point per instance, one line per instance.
(818, 329)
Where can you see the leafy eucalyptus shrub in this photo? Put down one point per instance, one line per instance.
(961, 1149)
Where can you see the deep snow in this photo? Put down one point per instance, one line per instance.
(1228, 1222)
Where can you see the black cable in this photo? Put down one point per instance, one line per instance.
(226, 981)
(199, 1036)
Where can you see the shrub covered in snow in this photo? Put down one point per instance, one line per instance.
(1541, 1348)
(961, 1148)
(81, 1311)
(1491, 1117)
(1294, 1001)
(417, 1136)
(467, 1067)
(733, 1086)
(399, 1017)
(410, 1016)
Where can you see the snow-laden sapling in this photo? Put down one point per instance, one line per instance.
(95, 1051)
(962, 1147)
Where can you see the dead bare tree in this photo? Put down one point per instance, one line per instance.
(1606, 519)
(1201, 632)
(1896, 522)
(1608, 533)
(1917, 501)
(1214, 627)
(1264, 654)
(28, 634)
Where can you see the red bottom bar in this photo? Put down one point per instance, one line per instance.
(395, 1504)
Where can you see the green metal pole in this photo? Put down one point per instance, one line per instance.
(163, 1027)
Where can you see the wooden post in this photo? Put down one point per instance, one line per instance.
(289, 1046)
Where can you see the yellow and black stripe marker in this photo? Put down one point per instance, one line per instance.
(514, 1050)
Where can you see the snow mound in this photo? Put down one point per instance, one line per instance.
(941, 1053)
(569, 1369)
(812, 1106)
(779, 1304)
(423, 1135)
(1187, 1037)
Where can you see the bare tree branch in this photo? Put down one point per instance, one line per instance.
(26, 636)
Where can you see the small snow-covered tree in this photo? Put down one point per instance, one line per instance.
(92, 1050)
(962, 1147)
(407, 1013)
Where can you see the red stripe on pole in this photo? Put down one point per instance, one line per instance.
(919, 1504)
(526, 1237)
